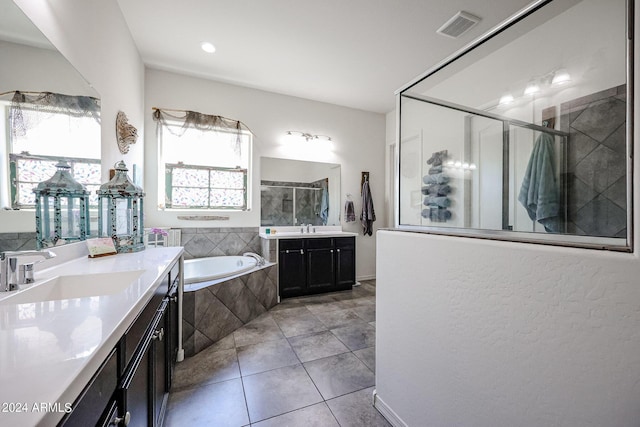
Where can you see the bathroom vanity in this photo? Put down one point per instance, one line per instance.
(93, 342)
(312, 263)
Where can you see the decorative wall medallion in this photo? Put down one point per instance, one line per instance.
(126, 133)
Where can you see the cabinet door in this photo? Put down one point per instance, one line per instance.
(320, 270)
(136, 386)
(92, 405)
(144, 385)
(345, 262)
(292, 274)
(172, 335)
(159, 350)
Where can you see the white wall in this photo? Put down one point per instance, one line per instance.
(94, 38)
(486, 333)
(358, 145)
(489, 333)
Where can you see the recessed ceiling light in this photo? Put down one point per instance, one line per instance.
(208, 47)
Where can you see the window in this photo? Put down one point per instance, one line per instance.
(27, 171)
(205, 169)
(41, 134)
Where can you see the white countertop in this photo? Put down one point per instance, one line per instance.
(293, 232)
(50, 350)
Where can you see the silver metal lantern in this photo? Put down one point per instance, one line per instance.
(120, 211)
(62, 209)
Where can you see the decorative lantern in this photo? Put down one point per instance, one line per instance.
(120, 211)
(62, 209)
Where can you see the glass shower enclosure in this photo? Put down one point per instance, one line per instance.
(524, 134)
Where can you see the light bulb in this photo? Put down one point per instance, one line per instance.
(561, 77)
(208, 47)
(532, 87)
(506, 99)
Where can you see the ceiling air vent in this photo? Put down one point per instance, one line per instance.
(458, 25)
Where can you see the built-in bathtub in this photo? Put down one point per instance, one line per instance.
(221, 294)
(202, 272)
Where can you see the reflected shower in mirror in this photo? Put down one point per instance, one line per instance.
(294, 192)
(56, 115)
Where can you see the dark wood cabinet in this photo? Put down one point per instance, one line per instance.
(291, 260)
(345, 261)
(92, 407)
(315, 265)
(132, 385)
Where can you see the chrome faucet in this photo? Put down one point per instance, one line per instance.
(308, 228)
(9, 277)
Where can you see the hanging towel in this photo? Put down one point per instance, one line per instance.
(349, 211)
(539, 192)
(368, 215)
(324, 206)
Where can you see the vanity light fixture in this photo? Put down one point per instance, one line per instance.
(208, 47)
(561, 77)
(306, 135)
(457, 164)
(532, 87)
(506, 99)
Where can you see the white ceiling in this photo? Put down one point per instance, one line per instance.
(353, 53)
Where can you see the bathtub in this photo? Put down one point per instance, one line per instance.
(202, 272)
(221, 294)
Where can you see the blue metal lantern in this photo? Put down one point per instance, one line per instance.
(120, 211)
(62, 209)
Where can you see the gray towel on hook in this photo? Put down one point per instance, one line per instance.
(539, 191)
(349, 211)
(368, 215)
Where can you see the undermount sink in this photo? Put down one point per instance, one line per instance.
(75, 286)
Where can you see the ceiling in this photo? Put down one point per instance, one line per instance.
(353, 53)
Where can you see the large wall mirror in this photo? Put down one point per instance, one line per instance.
(526, 135)
(47, 130)
(294, 192)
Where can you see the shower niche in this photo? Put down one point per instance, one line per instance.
(534, 123)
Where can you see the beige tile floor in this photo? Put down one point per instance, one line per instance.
(308, 362)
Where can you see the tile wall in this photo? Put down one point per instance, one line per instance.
(596, 172)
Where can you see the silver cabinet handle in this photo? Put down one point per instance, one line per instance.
(301, 252)
(338, 250)
(124, 420)
(331, 250)
(158, 335)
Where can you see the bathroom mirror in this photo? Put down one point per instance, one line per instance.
(525, 135)
(294, 192)
(31, 64)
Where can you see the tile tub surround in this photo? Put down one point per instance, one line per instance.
(309, 361)
(206, 242)
(211, 313)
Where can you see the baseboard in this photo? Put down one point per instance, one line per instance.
(370, 277)
(387, 412)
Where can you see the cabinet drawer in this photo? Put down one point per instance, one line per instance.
(319, 243)
(291, 244)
